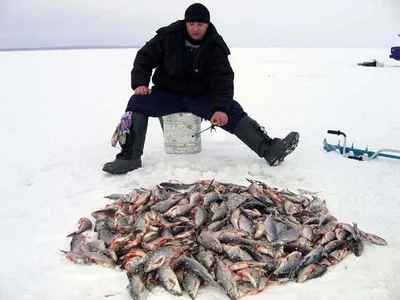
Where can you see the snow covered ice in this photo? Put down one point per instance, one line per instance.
(59, 109)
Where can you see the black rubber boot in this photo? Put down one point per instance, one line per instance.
(274, 150)
(129, 158)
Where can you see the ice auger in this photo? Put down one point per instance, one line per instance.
(354, 153)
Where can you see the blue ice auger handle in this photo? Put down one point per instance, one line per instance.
(337, 132)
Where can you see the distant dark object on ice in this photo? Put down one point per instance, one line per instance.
(371, 63)
(395, 52)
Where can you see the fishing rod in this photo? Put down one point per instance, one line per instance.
(211, 128)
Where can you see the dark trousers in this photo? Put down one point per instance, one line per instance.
(161, 103)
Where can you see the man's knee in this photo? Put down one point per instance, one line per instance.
(136, 102)
(137, 98)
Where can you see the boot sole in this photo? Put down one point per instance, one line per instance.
(291, 142)
(119, 172)
(111, 168)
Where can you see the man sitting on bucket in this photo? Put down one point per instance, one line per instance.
(192, 74)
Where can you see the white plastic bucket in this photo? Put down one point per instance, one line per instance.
(178, 131)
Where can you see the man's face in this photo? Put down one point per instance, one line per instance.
(196, 30)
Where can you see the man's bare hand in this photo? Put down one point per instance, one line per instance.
(220, 118)
(142, 90)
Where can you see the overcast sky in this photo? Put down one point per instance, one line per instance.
(286, 23)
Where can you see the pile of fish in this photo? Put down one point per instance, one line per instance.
(237, 238)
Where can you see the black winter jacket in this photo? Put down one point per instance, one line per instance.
(210, 75)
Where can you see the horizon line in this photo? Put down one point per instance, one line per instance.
(67, 48)
(138, 47)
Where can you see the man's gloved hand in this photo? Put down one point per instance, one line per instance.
(220, 118)
(142, 90)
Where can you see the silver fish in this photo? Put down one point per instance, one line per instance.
(191, 283)
(287, 264)
(83, 225)
(310, 272)
(200, 216)
(235, 253)
(136, 287)
(312, 257)
(158, 257)
(168, 280)
(225, 279)
(210, 197)
(252, 275)
(197, 268)
(270, 229)
(206, 258)
(373, 238)
(209, 241)
(165, 205)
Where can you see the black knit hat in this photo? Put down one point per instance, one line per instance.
(197, 12)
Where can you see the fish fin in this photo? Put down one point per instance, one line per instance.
(72, 234)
